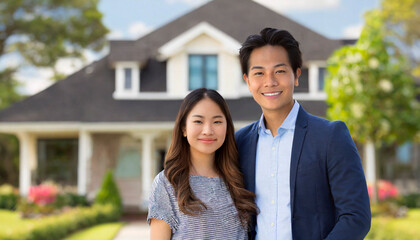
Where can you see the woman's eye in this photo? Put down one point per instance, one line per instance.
(218, 122)
(197, 121)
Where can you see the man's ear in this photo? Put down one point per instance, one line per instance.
(245, 76)
(298, 72)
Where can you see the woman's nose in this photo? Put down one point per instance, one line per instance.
(207, 129)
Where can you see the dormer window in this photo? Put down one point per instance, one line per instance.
(127, 79)
(202, 71)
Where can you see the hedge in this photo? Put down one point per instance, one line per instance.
(59, 226)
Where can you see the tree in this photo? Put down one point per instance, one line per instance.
(370, 88)
(109, 193)
(402, 20)
(42, 32)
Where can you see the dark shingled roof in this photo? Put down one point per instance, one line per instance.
(86, 96)
(236, 18)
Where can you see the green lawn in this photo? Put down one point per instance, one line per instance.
(10, 221)
(106, 231)
(387, 228)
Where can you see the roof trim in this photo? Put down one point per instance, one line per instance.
(175, 46)
(74, 127)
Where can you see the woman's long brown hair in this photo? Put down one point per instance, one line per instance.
(178, 162)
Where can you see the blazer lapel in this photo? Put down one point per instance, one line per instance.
(251, 158)
(298, 139)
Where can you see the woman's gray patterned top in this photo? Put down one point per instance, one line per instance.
(219, 221)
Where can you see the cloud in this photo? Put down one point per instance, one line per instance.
(352, 32)
(33, 79)
(188, 2)
(286, 5)
(115, 35)
(139, 29)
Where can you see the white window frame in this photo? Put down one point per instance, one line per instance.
(120, 90)
(313, 73)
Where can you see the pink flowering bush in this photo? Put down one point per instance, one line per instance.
(42, 194)
(386, 190)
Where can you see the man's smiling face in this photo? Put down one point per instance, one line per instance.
(271, 79)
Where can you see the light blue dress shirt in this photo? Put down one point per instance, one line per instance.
(272, 179)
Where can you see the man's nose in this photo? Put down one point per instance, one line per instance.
(270, 80)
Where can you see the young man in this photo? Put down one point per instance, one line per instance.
(305, 170)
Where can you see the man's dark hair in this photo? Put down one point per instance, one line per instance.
(273, 37)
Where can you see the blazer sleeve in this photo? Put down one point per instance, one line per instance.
(348, 186)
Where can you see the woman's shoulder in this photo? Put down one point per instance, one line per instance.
(161, 180)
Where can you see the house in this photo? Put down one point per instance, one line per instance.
(118, 113)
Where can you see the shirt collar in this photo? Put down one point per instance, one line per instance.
(288, 123)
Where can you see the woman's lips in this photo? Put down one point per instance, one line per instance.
(207, 140)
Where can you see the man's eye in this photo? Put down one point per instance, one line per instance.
(258, 73)
(280, 71)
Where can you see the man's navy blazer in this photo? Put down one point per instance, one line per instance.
(328, 193)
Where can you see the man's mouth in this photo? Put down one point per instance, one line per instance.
(271, 94)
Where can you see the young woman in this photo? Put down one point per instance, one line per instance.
(201, 194)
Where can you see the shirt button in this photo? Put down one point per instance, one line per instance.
(272, 224)
(272, 201)
(273, 148)
(272, 174)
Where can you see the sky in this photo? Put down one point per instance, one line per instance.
(131, 19)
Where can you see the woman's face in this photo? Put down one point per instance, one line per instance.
(205, 128)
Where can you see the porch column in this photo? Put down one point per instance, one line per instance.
(27, 161)
(85, 153)
(146, 168)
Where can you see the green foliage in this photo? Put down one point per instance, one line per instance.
(8, 197)
(43, 31)
(59, 226)
(370, 89)
(402, 20)
(9, 155)
(8, 85)
(109, 193)
(388, 228)
(71, 200)
(411, 200)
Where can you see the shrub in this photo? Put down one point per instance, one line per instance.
(8, 197)
(59, 226)
(71, 200)
(386, 190)
(109, 194)
(42, 194)
(411, 200)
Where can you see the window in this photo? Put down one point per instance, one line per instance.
(127, 78)
(57, 161)
(202, 71)
(321, 76)
(303, 81)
